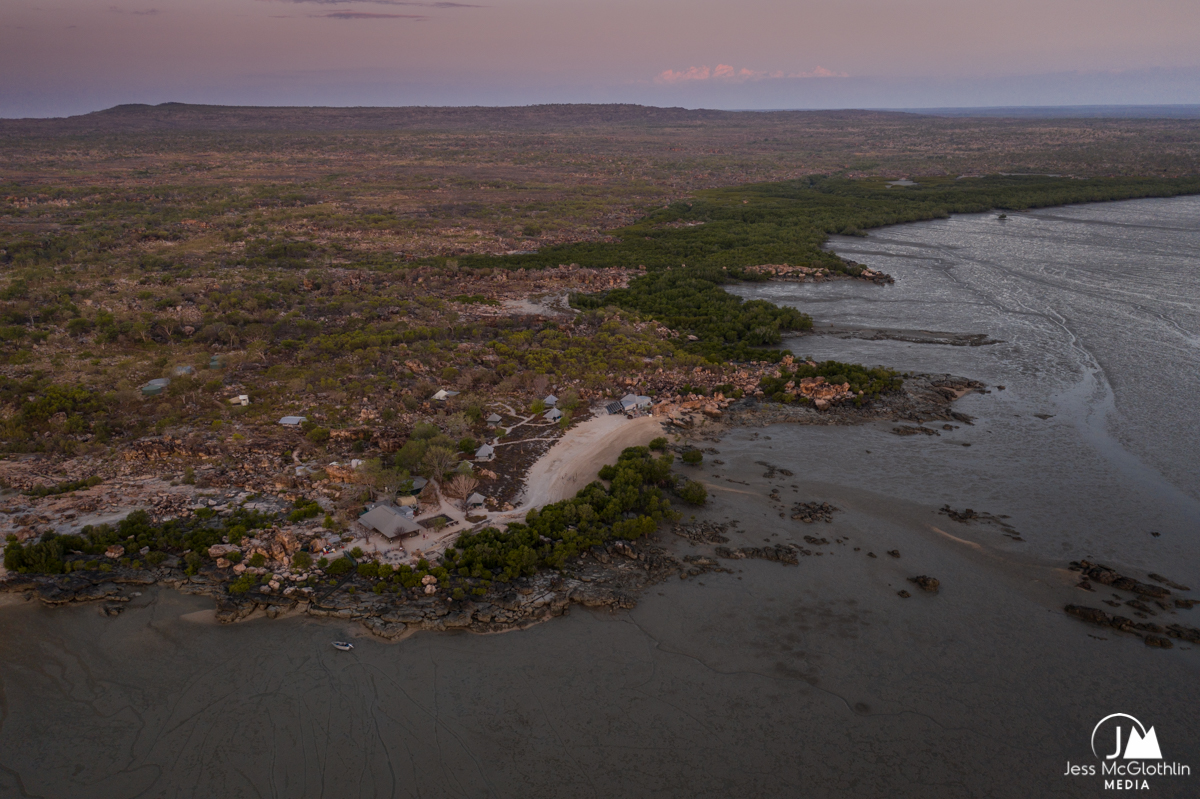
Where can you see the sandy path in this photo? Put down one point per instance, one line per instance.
(576, 459)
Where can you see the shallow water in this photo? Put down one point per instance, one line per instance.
(1097, 309)
(816, 680)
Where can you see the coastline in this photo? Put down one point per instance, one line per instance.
(608, 576)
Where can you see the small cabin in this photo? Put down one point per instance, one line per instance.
(631, 401)
(414, 486)
(553, 415)
(389, 521)
(485, 453)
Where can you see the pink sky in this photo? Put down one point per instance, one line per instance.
(66, 56)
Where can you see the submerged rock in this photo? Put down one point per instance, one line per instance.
(779, 553)
(929, 584)
(1111, 577)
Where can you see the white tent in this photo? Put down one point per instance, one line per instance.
(554, 414)
(485, 453)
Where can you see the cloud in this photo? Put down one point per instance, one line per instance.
(724, 73)
(144, 12)
(366, 15)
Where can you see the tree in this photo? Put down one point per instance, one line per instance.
(693, 493)
(461, 486)
(438, 461)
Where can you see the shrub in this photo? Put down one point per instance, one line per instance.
(257, 560)
(339, 567)
(318, 435)
(693, 493)
(304, 509)
(242, 584)
(659, 444)
(194, 561)
(424, 430)
(301, 561)
(370, 569)
(356, 553)
(693, 457)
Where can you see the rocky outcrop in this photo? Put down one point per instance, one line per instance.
(1111, 577)
(702, 532)
(927, 584)
(820, 274)
(788, 556)
(1158, 578)
(1154, 635)
(809, 512)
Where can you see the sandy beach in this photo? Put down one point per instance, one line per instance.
(575, 460)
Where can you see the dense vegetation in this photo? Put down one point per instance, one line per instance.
(698, 246)
(870, 381)
(787, 222)
(56, 554)
(631, 507)
(691, 300)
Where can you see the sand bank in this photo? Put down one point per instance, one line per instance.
(575, 460)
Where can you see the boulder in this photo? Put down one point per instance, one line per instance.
(929, 584)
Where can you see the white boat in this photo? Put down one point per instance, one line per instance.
(342, 645)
